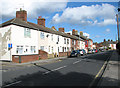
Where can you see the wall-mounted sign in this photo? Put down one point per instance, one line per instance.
(10, 45)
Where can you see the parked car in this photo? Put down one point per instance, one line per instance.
(75, 53)
(93, 50)
(101, 50)
(82, 52)
(90, 51)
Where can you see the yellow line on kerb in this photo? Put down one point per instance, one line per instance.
(97, 75)
(100, 70)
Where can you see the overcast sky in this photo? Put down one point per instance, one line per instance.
(98, 19)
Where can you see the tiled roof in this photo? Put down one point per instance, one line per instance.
(19, 22)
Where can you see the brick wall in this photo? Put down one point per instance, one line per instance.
(41, 21)
(43, 54)
(24, 58)
(62, 54)
(61, 30)
(22, 14)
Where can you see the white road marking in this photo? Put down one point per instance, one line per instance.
(76, 62)
(12, 83)
(55, 69)
(58, 68)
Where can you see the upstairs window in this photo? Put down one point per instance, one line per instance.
(58, 38)
(27, 33)
(42, 35)
(51, 37)
(64, 40)
(67, 41)
(72, 42)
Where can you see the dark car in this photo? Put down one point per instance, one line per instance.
(101, 50)
(75, 53)
(89, 51)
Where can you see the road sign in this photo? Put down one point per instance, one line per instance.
(10, 45)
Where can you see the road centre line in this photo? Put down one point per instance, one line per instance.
(76, 62)
(55, 69)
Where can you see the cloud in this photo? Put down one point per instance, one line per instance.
(34, 7)
(87, 35)
(87, 15)
(97, 36)
(107, 30)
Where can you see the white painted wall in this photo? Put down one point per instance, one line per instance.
(50, 43)
(82, 44)
(18, 39)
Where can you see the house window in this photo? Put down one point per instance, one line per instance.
(72, 42)
(27, 32)
(64, 40)
(42, 48)
(42, 35)
(52, 37)
(32, 48)
(49, 48)
(58, 38)
(67, 41)
(67, 48)
(52, 49)
(19, 49)
(58, 49)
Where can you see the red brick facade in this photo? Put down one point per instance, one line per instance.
(62, 54)
(43, 54)
(24, 58)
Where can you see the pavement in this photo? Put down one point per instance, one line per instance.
(111, 75)
(31, 62)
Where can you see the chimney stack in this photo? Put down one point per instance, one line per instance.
(41, 21)
(61, 29)
(22, 14)
(73, 32)
(81, 33)
(53, 28)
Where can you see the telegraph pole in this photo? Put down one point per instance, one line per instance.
(118, 28)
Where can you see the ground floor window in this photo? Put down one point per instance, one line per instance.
(52, 49)
(19, 49)
(42, 48)
(67, 48)
(33, 49)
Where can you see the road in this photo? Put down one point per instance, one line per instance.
(67, 72)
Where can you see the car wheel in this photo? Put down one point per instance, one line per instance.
(78, 55)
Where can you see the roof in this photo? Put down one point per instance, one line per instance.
(19, 22)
